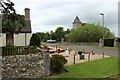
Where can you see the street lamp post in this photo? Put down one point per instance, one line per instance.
(102, 22)
(103, 29)
(1, 9)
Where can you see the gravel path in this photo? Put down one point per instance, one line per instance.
(70, 58)
(74, 57)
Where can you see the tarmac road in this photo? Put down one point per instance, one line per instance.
(110, 51)
(113, 52)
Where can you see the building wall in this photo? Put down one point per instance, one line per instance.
(2, 39)
(20, 40)
(29, 35)
(76, 25)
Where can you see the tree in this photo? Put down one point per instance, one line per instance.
(35, 40)
(89, 33)
(11, 21)
(67, 31)
(47, 36)
(41, 35)
(59, 33)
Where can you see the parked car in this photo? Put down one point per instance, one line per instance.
(51, 41)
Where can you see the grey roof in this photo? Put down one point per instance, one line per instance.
(77, 20)
(27, 28)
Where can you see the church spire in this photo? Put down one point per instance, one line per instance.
(76, 20)
(77, 23)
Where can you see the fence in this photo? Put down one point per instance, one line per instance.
(18, 50)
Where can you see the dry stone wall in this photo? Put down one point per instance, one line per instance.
(26, 66)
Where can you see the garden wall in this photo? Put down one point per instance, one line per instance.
(26, 66)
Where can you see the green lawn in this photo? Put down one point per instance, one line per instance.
(94, 69)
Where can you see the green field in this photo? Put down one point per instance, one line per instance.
(94, 69)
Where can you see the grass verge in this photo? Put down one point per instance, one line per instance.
(94, 69)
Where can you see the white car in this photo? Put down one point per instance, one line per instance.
(51, 41)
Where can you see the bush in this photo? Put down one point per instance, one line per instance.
(35, 40)
(57, 62)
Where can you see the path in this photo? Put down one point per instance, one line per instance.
(70, 59)
(73, 60)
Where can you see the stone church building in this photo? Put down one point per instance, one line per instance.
(77, 23)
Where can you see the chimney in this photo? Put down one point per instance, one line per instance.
(27, 14)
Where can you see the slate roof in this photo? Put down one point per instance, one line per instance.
(77, 20)
(27, 28)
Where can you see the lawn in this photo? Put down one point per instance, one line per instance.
(94, 69)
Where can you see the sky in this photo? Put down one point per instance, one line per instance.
(47, 15)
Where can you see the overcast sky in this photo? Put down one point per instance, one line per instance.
(47, 15)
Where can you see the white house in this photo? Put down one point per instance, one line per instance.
(21, 39)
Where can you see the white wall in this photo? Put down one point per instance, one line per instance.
(19, 39)
(2, 39)
(29, 35)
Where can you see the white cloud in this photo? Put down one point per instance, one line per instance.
(47, 14)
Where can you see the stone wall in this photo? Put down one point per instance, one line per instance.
(116, 42)
(26, 66)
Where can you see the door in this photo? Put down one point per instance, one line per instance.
(9, 39)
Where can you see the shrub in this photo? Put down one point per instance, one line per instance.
(57, 62)
(35, 40)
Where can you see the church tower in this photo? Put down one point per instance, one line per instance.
(77, 23)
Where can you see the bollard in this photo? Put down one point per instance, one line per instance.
(93, 53)
(89, 57)
(84, 51)
(74, 59)
(103, 55)
(56, 48)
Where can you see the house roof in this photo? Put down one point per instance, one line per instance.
(27, 28)
(77, 20)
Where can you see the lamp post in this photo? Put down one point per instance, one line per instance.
(1, 9)
(102, 22)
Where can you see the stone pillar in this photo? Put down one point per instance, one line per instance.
(101, 42)
(46, 56)
(116, 42)
(62, 40)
